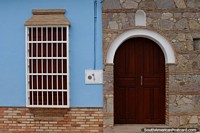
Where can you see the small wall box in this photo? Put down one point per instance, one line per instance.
(93, 77)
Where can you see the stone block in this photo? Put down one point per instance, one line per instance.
(184, 120)
(150, 4)
(182, 24)
(186, 62)
(130, 3)
(181, 37)
(165, 3)
(193, 3)
(177, 15)
(113, 25)
(185, 104)
(108, 121)
(195, 35)
(184, 82)
(193, 120)
(167, 15)
(154, 15)
(174, 121)
(105, 20)
(164, 25)
(111, 4)
(131, 17)
(188, 15)
(180, 3)
(194, 25)
(109, 105)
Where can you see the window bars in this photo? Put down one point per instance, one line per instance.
(47, 71)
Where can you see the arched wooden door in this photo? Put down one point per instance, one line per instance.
(139, 83)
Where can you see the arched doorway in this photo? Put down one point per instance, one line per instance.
(139, 83)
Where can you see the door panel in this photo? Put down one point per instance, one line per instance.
(139, 83)
(131, 110)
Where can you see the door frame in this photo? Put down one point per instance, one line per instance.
(108, 88)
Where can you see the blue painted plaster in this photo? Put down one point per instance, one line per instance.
(80, 13)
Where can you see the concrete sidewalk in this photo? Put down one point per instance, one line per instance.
(132, 128)
(136, 128)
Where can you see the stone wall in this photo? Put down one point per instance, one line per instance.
(79, 120)
(179, 22)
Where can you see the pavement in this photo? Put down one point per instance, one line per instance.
(132, 128)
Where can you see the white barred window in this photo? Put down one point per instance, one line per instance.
(47, 63)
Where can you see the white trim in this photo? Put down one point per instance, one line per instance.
(26, 50)
(47, 58)
(154, 36)
(140, 18)
(46, 106)
(68, 73)
(48, 74)
(52, 42)
(64, 91)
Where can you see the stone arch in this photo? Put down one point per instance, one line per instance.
(156, 37)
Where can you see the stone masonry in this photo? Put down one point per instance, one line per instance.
(179, 22)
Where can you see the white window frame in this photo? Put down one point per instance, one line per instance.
(28, 74)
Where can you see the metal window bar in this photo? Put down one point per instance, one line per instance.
(32, 64)
(41, 44)
(57, 63)
(67, 50)
(46, 57)
(52, 99)
(27, 68)
(47, 70)
(35, 60)
(47, 74)
(37, 102)
(62, 65)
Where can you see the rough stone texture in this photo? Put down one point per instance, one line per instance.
(194, 25)
(193, 3)
(108, 96)
(174, 121)
(164, 25)
(184, 103)
(167, 15)
(179, 22)
(165, 3)
(181, 37)
(180, 3)
(184, 120)
(182, 24)
(188, 14)
(150, 4)
(111, 4)
(188, 63)
(193, 119)
(196, 46)
(113, 25)
(129, 3)
(154, 16)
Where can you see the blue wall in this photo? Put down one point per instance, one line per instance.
(80, 13)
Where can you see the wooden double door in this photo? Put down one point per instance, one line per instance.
(139, 83)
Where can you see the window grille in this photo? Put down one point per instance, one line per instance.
(47, 66)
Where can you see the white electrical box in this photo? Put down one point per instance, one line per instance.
(93, 76)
